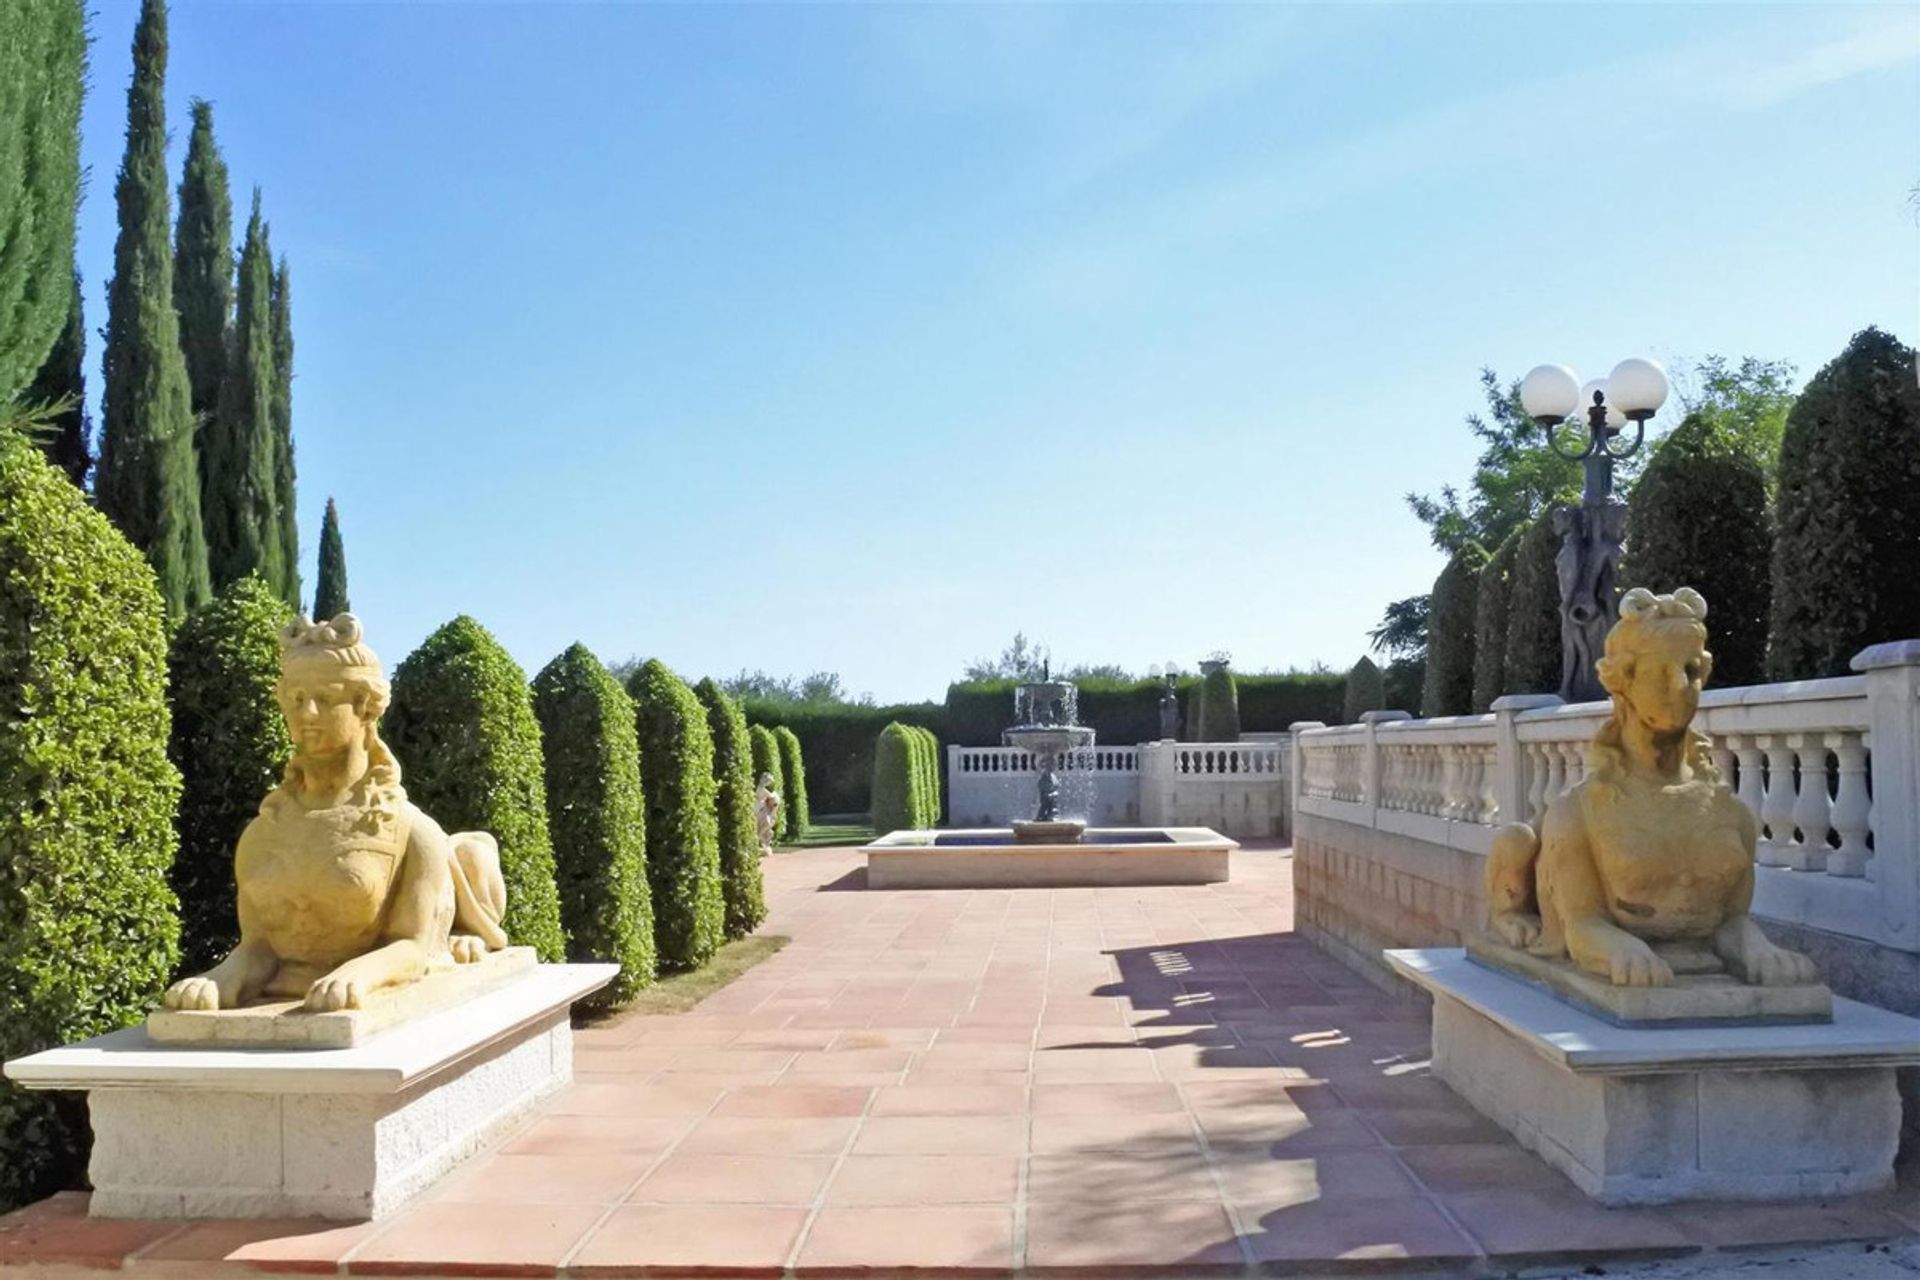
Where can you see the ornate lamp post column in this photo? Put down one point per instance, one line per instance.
(1590, 533)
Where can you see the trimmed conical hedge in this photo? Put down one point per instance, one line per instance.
(733, 808)
(793, 782)
(230, 744)
(897, 800)
(930, 769)
(683, 829)
(88, 931)
(1366, 690)
(1533, 612)
(1219, 707)
(1493, 595)
(597, 815)
(1698, 518)
(766, 759)
(1846, 555)
(463, 728)
(1448, 689)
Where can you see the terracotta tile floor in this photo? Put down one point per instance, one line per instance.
(1147, 1081)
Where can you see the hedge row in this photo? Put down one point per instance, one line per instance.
(1219, 719)
(796, 814)
(1366, 691)
(906, 779)
(683, 830)
(837, 744)
(1448, 690)
(733, 780)
(766, 764)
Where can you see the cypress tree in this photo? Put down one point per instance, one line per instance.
(1533, 611)
(62, 380)
(1365, 690)
(1219, 707)
(238, 445)
(746, 902)
(148, 482)
(285, 501)
(1448, 688)
(1493, 594)
(330, 588)
(683, 835)
(203, 270)
(230, 744)
(43, 69)
(1698, 518)
(793, 780)
(597, 813)
(463, 728)
(766, 759)
(1846, 552)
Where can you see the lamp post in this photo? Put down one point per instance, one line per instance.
(1591, 533)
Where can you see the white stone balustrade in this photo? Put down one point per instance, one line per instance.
(1830, 769)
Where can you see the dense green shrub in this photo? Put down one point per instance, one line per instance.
(797, 816)
(230, 744)
(837, 740)
(1366, 691)
(88, 933)
(1219, 707)
(1493, 592)
(1698, 518)
(1402, 680)
(733, 781)
(930, 754)
(1448, 688)
(899, 780)
(1533, 612)
(1128, 711)
(683, 828)
(1846, 556)
(766, 760)
(463, 728)
(1268, 704)
(597, 814)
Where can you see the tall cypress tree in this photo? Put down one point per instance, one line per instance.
(283, 480)
(241, 521)
(330, 588)
(62, 380)
(148, 482)
(203, 268)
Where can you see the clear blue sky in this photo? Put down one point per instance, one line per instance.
(859, 337)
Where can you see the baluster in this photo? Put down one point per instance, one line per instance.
(1488, 812)
(1436, 775)
(1556, 776)
(1852, 809)
(1776, 807)
(1749, 792)
(1810, 812)
(1723, 760)
(1536, 782)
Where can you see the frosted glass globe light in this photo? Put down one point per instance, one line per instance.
(1615, 418)
(1637, 388)
(1550, 391)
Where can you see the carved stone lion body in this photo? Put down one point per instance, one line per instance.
(1651, 847)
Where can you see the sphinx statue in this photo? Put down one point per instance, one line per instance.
(1645, 868)
(345, 888)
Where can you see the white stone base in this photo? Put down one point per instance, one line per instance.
(330, 1133)
(1639, 1116)
(911, 860)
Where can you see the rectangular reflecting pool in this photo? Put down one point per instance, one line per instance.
(994, 839)
(990, 858)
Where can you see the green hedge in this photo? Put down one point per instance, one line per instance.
(836, 741)
(1366, 691)
(766, 759)
(1125, 712)
(904, 796)
(463, 728)
(597, 814)
(1219, 707)
(1698, 518)
(683, 829)
(230, 744)
(1493, 594)
(797, 815)
(1847, 544)
(1533, 612)
(88, 931)
(733, 779)
(1448, 689)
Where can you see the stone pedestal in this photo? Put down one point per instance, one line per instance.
(348, 1133)
(1650, 1116)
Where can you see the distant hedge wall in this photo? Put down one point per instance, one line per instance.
(1492, 597)
(836, 745)
(1448, 689)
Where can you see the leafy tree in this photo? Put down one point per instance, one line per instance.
(1517, 477)
(1746, 404)
(597, 814)
(1365, 690)
(797, 817)
(43, 69)
(1698, 518)
(1402, 632)
(230, 744)
(820, 688)
(286, 506)
(1533, 612)
(1020, 660)
(1448, 690)
(1847, 548)
(1493, 592)
(683, 830)
(237, 453)
(203, 269)
(766, 759)
(463, 728)
(746, 900)
(147, 481)
(88, 931)
(330, 588)
(59, 391)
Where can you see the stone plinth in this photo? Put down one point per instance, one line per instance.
(990, 858)
(1654, 1115)
(185, 1132)
(1702, 992)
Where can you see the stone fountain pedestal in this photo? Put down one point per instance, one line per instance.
(990, 858)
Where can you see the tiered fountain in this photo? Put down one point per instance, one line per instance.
(1046, 712)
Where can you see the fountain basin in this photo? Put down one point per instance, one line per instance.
(991, 858)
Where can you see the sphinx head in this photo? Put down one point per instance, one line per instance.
(1656, 659)
(332, 689)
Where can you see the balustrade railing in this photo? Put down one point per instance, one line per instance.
(1020, 760)
(1254, 761)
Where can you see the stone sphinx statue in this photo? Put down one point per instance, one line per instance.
(1642, 875)
(766, 813)
(345, 888)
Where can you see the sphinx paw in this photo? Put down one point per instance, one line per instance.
(331, 994)
(1779, 967)
(467, 949)
(1638, 967)
(193, 993)
(1517, 928)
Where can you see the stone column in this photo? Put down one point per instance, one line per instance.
(1892, 671)
(1510, 759)
(1156, 782)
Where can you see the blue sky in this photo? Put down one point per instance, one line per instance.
(859, 337)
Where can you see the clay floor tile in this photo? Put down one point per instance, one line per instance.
(946, 1179)
(1292, 1180)
(533, 1239)
(1733, 1226)
(702, 1178)
(290, 1245)
(1106, 1099)
(731, 1240)
(842, 1061)
(1122, 1176)
(606, 1135)
(1564, 1226)
(503, 1179)
(797, 1102)
(1483, 1166)
(913, 1099)
(57, 1231)
(770, 1136)
(1347, 1230)
(1170, 1133)
(1449, 1125)
(942, 1135)
(1113, 1237)
(683, 1097)
(945, 1056)
(936, 1239)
